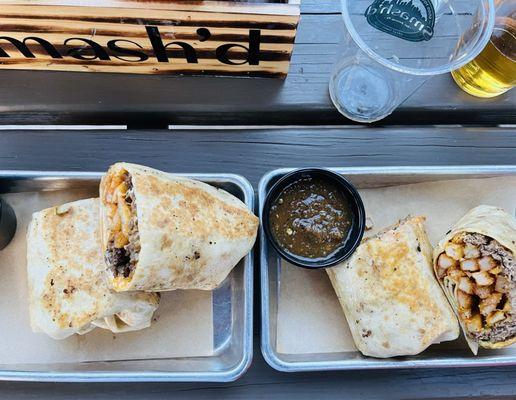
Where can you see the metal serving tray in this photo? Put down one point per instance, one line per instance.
(435, 356)
(232, 306)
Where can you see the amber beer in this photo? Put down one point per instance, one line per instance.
(493, 72)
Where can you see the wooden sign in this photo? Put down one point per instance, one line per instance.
(240, 38)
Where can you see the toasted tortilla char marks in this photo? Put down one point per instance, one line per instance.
(63, 236)
(68, 288)
(485, 231)
(196, 210)
(393, 267)
(387, 288)
(68, 278)
(61, 289)
(208, 231)
(166, 242)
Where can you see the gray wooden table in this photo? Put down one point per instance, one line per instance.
(148, 104)
(252, 153)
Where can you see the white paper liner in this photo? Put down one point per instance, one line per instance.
(310, 319)
(183, 325)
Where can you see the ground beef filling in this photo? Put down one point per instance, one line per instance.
(490, 247)
(503, 330)
(499, 332)
(123, 260)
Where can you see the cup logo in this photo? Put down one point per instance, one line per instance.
(411, 20)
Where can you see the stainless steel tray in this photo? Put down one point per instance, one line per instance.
(435, 356)
(232, 306)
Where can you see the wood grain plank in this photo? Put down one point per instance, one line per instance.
(84, 29)
(271, 7)
(73, 98)
(150, 16)
(53, 29)
(253, 152)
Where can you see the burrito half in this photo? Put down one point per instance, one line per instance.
(392, 301)
(164, 232)
(68, 288)
(475, 263)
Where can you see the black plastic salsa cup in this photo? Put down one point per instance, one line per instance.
(7, 224)
(350, 194)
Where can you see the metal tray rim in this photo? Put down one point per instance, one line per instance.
(294, 366)
(229, 375)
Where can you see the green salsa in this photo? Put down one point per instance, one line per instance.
(311, 218)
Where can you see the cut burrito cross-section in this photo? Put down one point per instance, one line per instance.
(124, 242)
(476, 265)
(164, 232)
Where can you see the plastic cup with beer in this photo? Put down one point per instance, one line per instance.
(394, 46)
(493, 71)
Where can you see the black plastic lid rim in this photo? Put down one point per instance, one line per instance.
(7, 224)
(358, 211)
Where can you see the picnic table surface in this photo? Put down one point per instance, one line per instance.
(250, 127)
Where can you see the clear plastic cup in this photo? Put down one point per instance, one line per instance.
(394, 46)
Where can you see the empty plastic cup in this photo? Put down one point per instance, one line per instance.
(394, 46)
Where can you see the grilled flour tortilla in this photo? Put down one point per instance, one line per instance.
(476, 266)
(68, 288)
(392, 301)
(164, 232)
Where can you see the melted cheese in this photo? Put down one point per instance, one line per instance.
(121, 217)
(120, 283)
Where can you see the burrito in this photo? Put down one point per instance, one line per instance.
(390, 297)
(164, 232)
(475, 263)
(67, 278)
